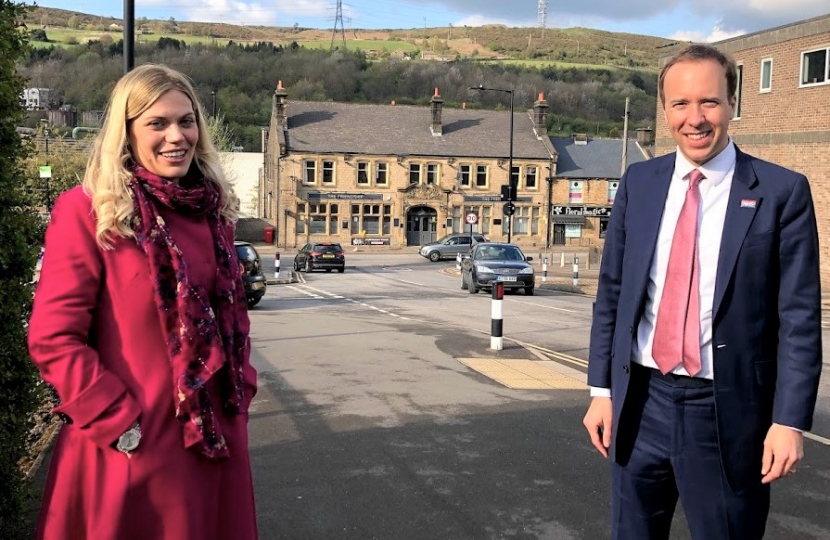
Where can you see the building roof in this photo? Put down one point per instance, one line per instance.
(358, 128)
(600, 158)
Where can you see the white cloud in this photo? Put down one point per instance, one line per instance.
(281, 12)
(716, 34)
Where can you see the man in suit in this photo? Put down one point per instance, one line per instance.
(705, 349)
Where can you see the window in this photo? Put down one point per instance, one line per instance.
(300, 218)
(328, 172)
(309, 171)
(573, 231)
(387, 218)
(521, 220)
(333, 219)
(575, 192)
(381, 173)
(534, 220)
(464, 174)
(530, 177)
(739, 91)
(612, 191)
(362, 173)
(414, 173)
(603, 227)
(814, 67)
(432, 173)
(484, 220)
(317, 218)
(766, 74)
(515, 175)
(481, 176)
(371, 218)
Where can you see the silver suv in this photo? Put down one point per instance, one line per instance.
(450, 246)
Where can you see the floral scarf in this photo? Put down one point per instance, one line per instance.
(203, 338)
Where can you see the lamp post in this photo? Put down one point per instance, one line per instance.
(213, 98)
(48, 191)
(513, 186)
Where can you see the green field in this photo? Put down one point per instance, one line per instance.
(65, 37)
(362, 44)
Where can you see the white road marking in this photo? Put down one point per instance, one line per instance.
(817, 438)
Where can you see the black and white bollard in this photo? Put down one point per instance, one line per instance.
(277, 265)
(496, 314)
(458, 262)
(576, 271)
(544, 268)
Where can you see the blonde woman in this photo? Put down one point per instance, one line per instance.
(140, 323)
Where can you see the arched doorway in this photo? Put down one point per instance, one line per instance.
(421, 225)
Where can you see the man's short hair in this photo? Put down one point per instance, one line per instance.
(697, 52)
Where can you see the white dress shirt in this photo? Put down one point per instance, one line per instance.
(714, 193)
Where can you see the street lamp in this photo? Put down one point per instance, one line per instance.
(213, 97)
(509, 207)
(46, 178)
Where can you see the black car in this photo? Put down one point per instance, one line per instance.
(488, 263)
(252, 275)
(326, 256)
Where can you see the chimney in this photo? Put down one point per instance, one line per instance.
(437, 105)
(644, 136)
(540, 116)
(281, 105)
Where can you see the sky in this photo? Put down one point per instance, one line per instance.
(687, 20)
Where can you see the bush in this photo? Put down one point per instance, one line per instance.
(21, 232)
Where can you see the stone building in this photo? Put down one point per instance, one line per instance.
(402, 175)
(782, 110)
(588, 172)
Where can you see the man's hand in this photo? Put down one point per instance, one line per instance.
(783, 449)
(598, 423)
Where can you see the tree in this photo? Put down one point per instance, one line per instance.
(21, 233)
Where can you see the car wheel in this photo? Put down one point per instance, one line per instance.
(308, 267)
(328, 270)
(529, 290)
(463, 283)
(473, 288)
(341, 270)
(434, 256)
(252, 302)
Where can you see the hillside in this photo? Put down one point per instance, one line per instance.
(531, 46)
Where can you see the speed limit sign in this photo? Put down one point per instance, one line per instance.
(471, 218)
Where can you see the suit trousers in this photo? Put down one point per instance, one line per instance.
(675, 454)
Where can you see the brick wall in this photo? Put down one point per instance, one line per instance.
(789, 125)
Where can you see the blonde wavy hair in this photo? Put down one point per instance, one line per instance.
(107, 177)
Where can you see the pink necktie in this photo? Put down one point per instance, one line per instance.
(677, 331)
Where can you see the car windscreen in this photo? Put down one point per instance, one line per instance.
(246, 252)
(328, 248)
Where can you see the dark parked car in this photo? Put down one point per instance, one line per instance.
(326, 256)
(488, 263)
(252, 274)
(450, 245)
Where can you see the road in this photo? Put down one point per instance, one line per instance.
(368, 425)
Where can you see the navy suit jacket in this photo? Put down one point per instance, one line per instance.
(766, 327)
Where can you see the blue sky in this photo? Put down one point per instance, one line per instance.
(694, 20)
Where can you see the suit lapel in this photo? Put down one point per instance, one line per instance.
(646, 216)
(740, 211)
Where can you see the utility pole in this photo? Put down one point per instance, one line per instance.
(129, 35)
(338, 18)
(625, 139)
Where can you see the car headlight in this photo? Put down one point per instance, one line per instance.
(527, 270)
(484, 270)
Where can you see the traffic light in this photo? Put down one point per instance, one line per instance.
(509, 208)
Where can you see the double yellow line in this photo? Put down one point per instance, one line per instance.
(555, 355)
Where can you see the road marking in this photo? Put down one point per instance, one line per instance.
(548, 307)
(553, 354)
(305, 292)
(817, 438)
(522, 374)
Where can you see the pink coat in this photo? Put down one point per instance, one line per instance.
(96, 337)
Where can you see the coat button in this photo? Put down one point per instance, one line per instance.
(625, 368)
